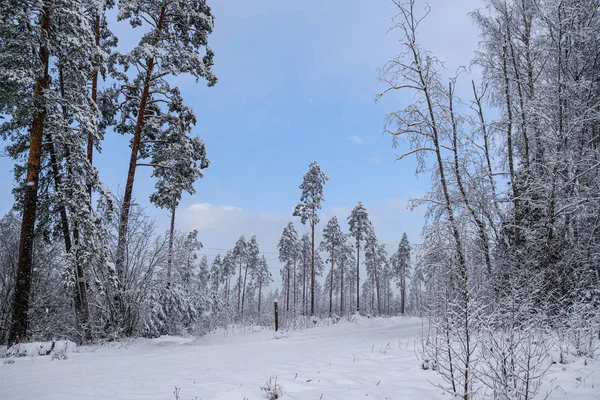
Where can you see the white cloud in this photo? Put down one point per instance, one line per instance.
(356, 139)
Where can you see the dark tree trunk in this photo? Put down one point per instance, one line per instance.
(244, 288)
(170, 255)
(312, 274)
(125, 209)
(20, 309)
(287, 288)
(259, 294)
(239, 304)
(90, 136)
(342, 290)
(358, 272)
(331, 283)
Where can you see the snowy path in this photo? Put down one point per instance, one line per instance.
(368, 359)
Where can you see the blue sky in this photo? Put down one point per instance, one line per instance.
(297, 79)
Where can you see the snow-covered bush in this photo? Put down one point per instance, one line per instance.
(34, 349)
(272, 389)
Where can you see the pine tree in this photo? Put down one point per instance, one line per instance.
(262, 276)
(228, 270)
(345, 262)
(47, 97)
(252, 263)
(175, 44)
(310, 203)
(177, 159)
(360, 225)
(240, 257)
(305, 256)
(216, 273)
(333, 238)
(288, 254)
(401, 267)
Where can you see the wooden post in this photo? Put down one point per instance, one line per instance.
(276, 317)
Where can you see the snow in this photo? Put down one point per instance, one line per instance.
(364, 359)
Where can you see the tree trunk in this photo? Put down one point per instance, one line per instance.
(90, 136)
(509, 143)
(244, 289)
(342, 289)
(378, 294)
(331, 283)
(303, 284)
(312, 275)
(482, 233)
(402, 292)
(259, 294)
(239, 289)
(20, 309)
(358, 273)
(170, 255)
(137, 136)
(287, 288)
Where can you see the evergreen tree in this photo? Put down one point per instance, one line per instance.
(305, 257)
(262, 276)
(333, 238)
(310, 203)
(240, 257)
(401, 267)
(345, 260)
(252, 263)
(175, 44)
(288, 254)
(216, 273)
(46, 50)
(360, 225)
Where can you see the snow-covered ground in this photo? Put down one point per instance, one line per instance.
(365, 359)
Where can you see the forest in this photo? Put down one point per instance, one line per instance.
(509, 267)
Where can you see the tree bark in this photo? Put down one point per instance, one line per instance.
(170, 256)
(90, 136)
(331, 282)
(259, 293)
(239, 289)
(137, 136)
(20, 309)
(312, 275)
(244, 289)
(358, 272)
(342, 289)
(287, 288)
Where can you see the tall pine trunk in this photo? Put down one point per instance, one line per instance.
(287, 288)
(125, 209)
(239, 303)
(90, 136)
(20, 309)
(170, 255)
(259, 294)
(244, 289)
(331, 282)
(342, 289)
(312, 274)
(358, 272)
